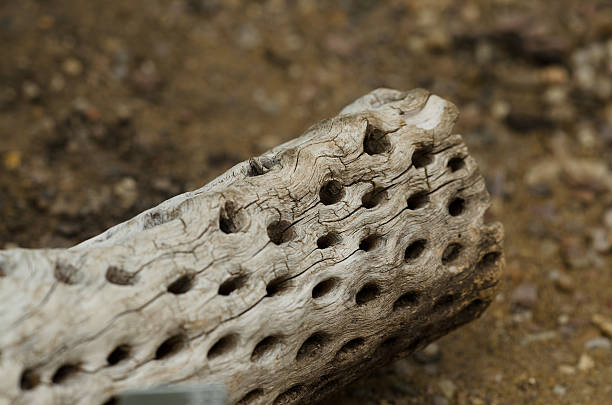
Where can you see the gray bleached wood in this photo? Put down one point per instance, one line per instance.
(287, 277)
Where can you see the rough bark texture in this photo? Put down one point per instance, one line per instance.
(288, 276)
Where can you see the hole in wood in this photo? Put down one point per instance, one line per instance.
(423, 156)
(313, 346)
(473, 308)
(372, 198)
(370, 242)
(181, 285)
(112, 401)
(456, 207)
(276, 286)
(387, 345)
(367, 293)
(444, 302)
(414, 250)
(260, 166)
(291, 395)
(115, 275)
(29, 379)
(265, 347)
(409, 299)
(280, 232)
(119, 354)
(488, 261)
(64, 373)
(375, 141)
(331, 192)
(418, 200)
(154, 219)
(171, 346)
(324, 287)
(229, 220)
(456, 163)
(451, 253)
(231, 285)
(350, 349)
(222, 347)
(251, 397)
(66, 273)
(328, 240)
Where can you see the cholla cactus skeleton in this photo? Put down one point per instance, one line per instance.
(289, 275)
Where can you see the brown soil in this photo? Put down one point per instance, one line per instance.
(110, 107)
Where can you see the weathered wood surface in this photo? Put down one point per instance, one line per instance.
(288, 276)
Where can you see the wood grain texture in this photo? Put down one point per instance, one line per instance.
(288, 276)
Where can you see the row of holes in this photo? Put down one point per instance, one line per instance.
(316, 343)
(309, 349)
(311, 346)
(280, 231)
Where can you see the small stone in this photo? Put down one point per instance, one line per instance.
(598, 343)
(430, 354)
(554, 75)
(539, 337)
(559, 390)
(563, 319)
(567, 369)
(585, 362)
(500, 109)
(448, 388)
(248, 37)
(72, 67)
(477, 401)
(57, 83)
(127, 192)
(12, 159)
(604, 324)
(525, 296)
(601, 240)
(563, 281)
(31, 91)
(574, 253)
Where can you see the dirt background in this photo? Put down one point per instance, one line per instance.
(110, 107)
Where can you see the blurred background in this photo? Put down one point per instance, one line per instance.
(110, 107)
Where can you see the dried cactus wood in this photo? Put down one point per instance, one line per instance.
(288, 276)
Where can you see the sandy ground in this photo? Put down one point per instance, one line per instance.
(110, 107)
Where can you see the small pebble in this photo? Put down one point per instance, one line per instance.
(448, 388)
(563, 281)
(525, 296)
(559, 390)
(31, 91)
(598, 343)
(12, 159)
(72, 67)
(601, 240)
(604, 324)
(430, 354)
(539, 337)
(585, 362)
(567, 369)
(126, 191)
